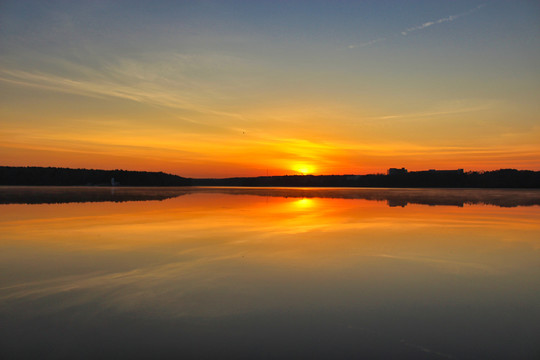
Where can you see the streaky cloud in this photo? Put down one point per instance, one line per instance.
(440, 21)
(120, 85)
(443, 112)
(419, 27)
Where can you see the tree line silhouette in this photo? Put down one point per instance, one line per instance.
(503, 178)
(86, 177)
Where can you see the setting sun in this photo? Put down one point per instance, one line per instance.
(304, 169)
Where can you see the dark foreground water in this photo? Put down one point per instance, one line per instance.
(241, 273)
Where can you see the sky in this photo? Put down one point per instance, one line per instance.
(255, 88)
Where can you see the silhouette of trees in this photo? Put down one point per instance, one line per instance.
(69, 177)
(503, 178)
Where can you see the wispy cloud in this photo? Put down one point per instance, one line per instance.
(419, 27)
(442, 112)
(440, 21)
(165, 82)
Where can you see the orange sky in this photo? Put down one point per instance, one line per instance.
(334, 90)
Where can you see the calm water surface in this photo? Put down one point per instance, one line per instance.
(269, 273)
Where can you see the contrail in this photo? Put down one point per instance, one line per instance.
(420, 27)
(440, 21)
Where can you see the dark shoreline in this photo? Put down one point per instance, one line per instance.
(50, 176)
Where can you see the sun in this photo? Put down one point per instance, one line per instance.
(304, 169)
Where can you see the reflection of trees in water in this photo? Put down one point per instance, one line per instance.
(393, 197)
(403, 197)
(57, 195)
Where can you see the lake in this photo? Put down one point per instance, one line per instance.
(269, 273)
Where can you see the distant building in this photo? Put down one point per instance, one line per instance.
(395, 171)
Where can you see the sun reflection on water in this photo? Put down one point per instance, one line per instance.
(304, 204)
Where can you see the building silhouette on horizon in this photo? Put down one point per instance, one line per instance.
(403, 171)
(396, 171)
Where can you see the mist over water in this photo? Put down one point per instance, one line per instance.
(269, 273)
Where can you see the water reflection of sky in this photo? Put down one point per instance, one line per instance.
(266, 274)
